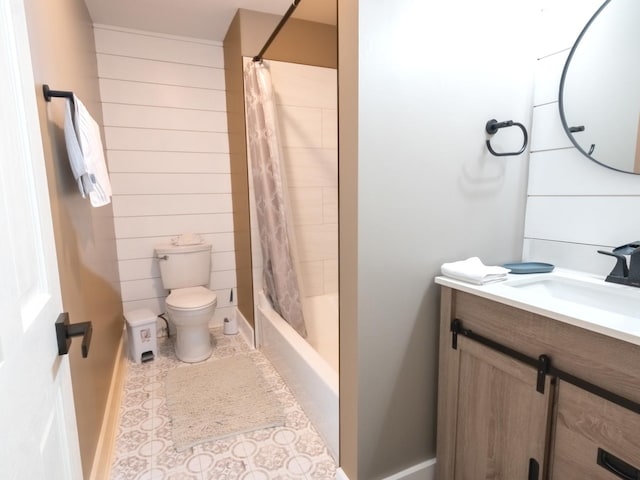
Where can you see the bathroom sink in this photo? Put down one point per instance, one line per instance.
(581, 292)
(577, 298)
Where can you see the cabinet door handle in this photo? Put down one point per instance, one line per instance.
(618, 467)
(534, 469)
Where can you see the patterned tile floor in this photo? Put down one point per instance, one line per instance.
(144, 449)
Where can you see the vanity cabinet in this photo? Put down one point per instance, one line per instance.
(593, 438)
(504, 413)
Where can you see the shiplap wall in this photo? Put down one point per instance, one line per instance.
(164, 110)
(574, 206)
(306, 100)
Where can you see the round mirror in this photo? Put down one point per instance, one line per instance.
(600, 87)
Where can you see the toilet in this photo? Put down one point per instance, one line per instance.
(185, 268)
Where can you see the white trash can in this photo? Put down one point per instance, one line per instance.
(141, 332)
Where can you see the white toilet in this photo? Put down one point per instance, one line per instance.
(185, 271)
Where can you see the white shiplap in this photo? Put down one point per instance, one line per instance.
(164, 109)
(575, 206)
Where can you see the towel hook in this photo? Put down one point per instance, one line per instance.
(493, 126)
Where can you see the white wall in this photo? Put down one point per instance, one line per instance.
(306, 100)
(164, 110)
(574, 205)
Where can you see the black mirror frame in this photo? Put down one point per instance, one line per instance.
(563, 119)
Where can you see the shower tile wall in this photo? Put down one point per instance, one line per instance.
(165, 124)
(574, 206)
(306, 97)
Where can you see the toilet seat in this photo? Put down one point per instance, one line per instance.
(192, 298)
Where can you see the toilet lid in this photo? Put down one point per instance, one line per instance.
(189, 298)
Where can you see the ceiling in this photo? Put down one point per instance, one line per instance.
(206, 19)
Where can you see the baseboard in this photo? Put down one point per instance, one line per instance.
(106, 441)
(421, 471)
(245, 329)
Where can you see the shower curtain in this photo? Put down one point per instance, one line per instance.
(280, 280)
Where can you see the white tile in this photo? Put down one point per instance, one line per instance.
(547, 132)
(162, 73)
(154, 46)
(136, 93)
(306, 205)
(142, 289)
(317, 242)
(223, 279)
(122, 138)
(145, 268)
(330, 273)
(561, 23)
(156, 305)
(548, 74)
(300, 126)
(584, 258)
(142, 247)
(163, 118)
(171, 225)
(330, 205)
(330, 129)
(586, 220)
(141, 205)
(167, 162)
(304, 85)
(307, 167)
(312, 278)
(223, 261)
(169, 183)
(569, 172)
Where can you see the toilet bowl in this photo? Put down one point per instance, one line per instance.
(190, 310)
(185, 269)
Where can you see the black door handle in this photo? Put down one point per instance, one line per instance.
(65, 331)
(618, 467)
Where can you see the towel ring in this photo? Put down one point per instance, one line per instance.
(493, 126)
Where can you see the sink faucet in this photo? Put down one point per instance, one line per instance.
(621, 273)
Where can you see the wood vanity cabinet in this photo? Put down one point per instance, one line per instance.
(499, 418)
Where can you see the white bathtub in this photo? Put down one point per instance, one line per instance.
(311, 379)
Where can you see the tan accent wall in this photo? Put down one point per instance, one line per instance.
(238, 165)
(63, 55)
(348, 247)
(299, 41)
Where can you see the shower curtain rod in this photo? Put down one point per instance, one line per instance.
(289, 12)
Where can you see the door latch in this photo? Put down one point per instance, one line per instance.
(65, 331)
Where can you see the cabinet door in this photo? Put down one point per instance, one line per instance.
(594, 438)
(502, 420)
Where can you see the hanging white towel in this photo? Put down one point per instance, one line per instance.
(91, 144)
(472, 270)
(76, 159)
(86, 155)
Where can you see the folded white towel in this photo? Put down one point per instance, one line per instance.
(187, 239)
(472, 270)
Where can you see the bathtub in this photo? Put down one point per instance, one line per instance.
(310, 378)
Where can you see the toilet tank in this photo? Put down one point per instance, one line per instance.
(183, 266)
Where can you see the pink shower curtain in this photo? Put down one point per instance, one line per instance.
(280, 281)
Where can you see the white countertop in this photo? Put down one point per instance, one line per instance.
(587, 301)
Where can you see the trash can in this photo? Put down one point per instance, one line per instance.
(141, 332)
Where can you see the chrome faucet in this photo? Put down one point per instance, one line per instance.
(621, 273)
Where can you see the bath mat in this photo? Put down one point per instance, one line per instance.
(219, 398)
